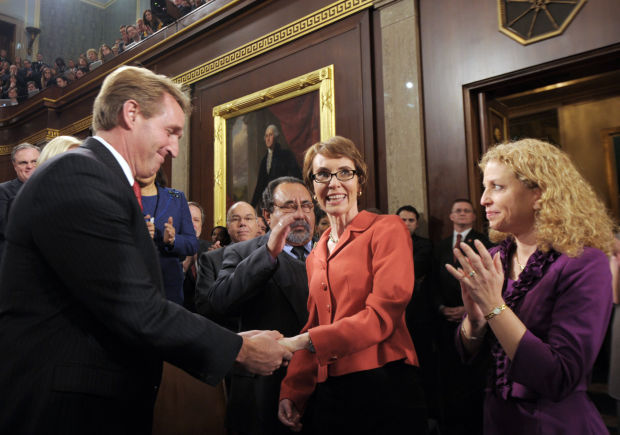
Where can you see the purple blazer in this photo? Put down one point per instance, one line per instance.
(565, 303)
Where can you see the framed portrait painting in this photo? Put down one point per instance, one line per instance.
(262, 136)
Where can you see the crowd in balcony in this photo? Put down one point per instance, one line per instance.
(20, 78)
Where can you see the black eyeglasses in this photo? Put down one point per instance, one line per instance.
(326, 177)
(291, 207)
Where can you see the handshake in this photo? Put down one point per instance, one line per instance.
(263, 352)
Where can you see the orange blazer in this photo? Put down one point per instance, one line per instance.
(357, 302)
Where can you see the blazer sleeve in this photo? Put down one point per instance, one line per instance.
(554, 366)
(392, 287)
(104, 268)
(240, 279)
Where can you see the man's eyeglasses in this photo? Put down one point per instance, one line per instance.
(326, 177)
(237, 219)
(291, 207)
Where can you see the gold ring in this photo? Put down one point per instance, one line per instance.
(472, 273)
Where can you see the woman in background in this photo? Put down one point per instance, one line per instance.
(57, 146)
(172, 230)
(355, 356)
(541, 300)
(152, 21)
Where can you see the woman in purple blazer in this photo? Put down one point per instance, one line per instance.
(540, 301)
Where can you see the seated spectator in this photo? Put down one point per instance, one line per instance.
(105, 53)
(47, 79)
(62, 82)
(32, 89)
(183, 6)
(81, 72)
(134, 36)
(61, 67)
(152, 21)
(39, 64)
(82, 63)
(27, 73)
(91, 55)
(71, 66)
(116, 48)
(12, 95)
(57, 146)
(143, 30)
(18, 62)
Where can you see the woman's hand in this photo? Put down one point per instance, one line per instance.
(299, 342)
(169, 232)
(482, 279)
(150, 225)
(289, 415)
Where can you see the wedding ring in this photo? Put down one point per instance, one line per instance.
(472, 273)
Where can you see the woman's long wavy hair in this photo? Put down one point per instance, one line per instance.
(571, 216)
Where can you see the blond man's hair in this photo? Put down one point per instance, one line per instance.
(571, 216)
(133, 83)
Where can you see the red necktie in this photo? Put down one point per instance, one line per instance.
(457, 245)
(138, 193)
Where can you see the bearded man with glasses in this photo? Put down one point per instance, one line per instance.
(263, 281)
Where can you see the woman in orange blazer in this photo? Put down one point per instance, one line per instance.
(354, 357)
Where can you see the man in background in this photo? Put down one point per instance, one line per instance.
(24, 159)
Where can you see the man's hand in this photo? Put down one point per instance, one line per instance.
(279, 233)
(150, 225)
(289, 415)
(261, 353)
(169, 232)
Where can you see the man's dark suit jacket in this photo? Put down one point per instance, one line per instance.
(209, 266)
(84, 320)
(447, 288)
(8, 191)
(283, 163)
(189, 282)
(265, 294)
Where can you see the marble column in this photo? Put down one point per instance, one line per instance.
(406, 161)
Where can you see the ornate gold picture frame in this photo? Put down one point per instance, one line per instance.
(320, 82)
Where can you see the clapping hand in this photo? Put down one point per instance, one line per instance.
(169, 232)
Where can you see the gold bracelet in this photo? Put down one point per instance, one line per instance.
(496, 311)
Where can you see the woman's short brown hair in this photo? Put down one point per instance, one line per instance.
(335, 147)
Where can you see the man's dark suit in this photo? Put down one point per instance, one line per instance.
(462, 385)
(8, 191)
(265, 294)
(283, 163)
(191, 275)
(209, 266)
(84, 320)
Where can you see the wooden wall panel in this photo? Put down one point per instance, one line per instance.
(461, 44)
(344, 44)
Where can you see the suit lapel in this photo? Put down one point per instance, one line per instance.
(292, 281)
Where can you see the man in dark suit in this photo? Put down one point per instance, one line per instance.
(242, 225)
(421, 312)
(264, 282)
(462, 385)
(84, 319)
(190, 264)
(24, 158)
(277, 163)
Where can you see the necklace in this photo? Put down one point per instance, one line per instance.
(522, 267)
(332, 239)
